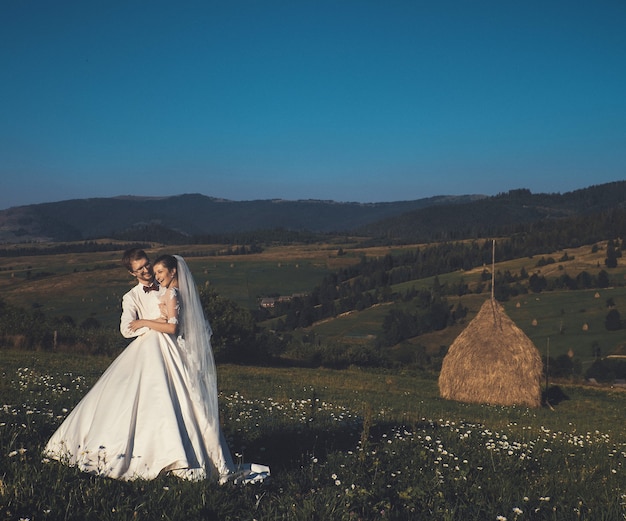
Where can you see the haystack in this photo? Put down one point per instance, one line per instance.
(492, 361)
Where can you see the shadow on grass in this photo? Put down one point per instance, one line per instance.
(290, 447)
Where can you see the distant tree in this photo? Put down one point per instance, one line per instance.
(611, 255)
(613, 321)
(562, 366)
(437, 288)
(601, 371)
(397, 326)
(584, 280)
(545, 261)
(65, 320)
(90, 323)
(603, 279)
(460, 312)
(234, 330)
(537, 283)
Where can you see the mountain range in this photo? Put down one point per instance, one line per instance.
(194, 215)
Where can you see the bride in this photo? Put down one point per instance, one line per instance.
(154, 410)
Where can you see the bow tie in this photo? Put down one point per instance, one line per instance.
(151, 287)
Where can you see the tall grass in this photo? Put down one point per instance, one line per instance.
(342, 445)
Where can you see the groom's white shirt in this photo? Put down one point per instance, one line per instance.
(138, 304)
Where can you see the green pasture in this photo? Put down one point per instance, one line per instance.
(353, 326)
(342, 445)
(558, 322)
(92, 284)
(569, 321)
(247, 280)
(76, 285)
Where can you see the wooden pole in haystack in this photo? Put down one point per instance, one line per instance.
(547, 364)
(493, 271)
(492, 360)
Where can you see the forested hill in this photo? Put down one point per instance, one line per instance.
(185, 217)
(193, 215)
(516, 211)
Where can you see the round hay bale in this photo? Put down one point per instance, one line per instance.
(492, 361)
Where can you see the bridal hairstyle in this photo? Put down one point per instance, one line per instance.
(169, 261)
(195, 343)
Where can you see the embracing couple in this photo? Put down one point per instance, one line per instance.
(154, 410)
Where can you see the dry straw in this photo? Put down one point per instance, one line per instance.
(492, 361)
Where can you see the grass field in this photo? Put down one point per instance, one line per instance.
(342, 445)
(92, 284)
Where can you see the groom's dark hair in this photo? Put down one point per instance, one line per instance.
(132, 255)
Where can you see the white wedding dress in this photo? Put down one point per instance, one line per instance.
(153, 411)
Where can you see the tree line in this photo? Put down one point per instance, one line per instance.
(236, 335)
(369, 282)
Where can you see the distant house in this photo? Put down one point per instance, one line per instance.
(270, 302)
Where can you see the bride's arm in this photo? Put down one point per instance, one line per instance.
(157, 325)
(168, 323)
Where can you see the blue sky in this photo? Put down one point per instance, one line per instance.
(343, 100)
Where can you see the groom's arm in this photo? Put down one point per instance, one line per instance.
(130, 312)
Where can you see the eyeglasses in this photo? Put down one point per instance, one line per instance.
(146, 267)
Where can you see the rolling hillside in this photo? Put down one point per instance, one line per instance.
(195, 215)
(503, 214)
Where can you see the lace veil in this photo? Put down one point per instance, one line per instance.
(195, 343)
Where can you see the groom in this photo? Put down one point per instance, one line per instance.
(142, 301)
